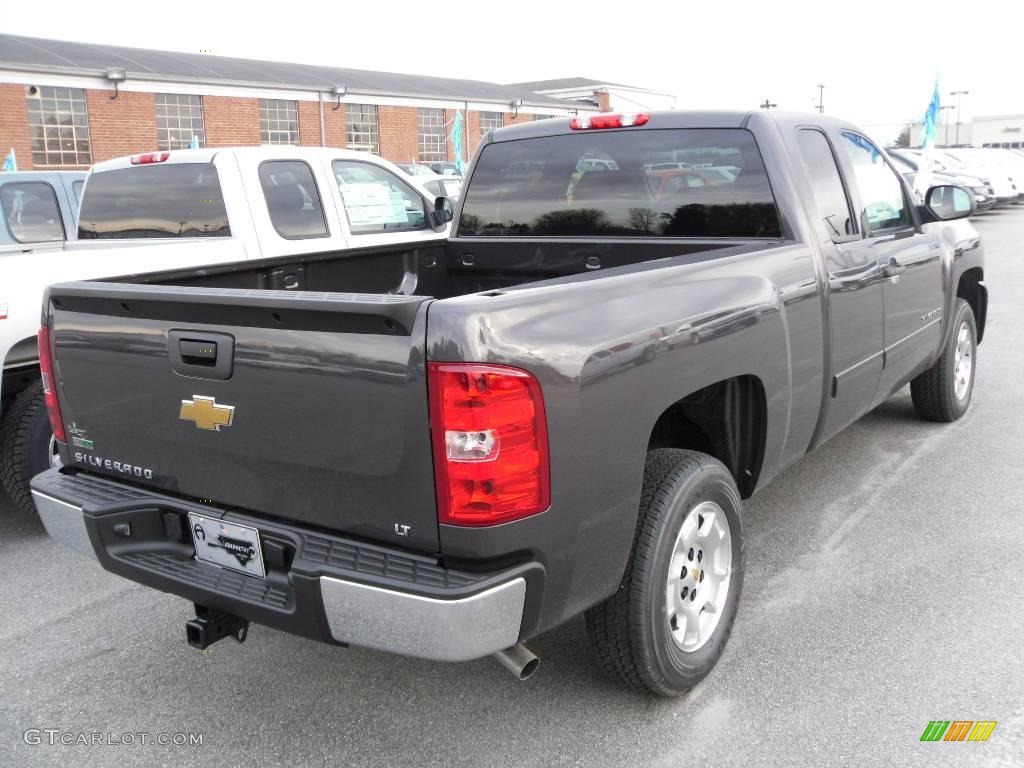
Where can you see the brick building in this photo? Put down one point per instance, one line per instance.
(607, 97)
(68, 105)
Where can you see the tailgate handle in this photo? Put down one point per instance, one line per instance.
(200, 354)
(195, 352)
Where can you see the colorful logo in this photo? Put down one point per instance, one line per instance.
(958, 730)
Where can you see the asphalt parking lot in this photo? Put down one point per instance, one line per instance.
(884, 590)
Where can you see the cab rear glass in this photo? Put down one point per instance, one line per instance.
(178, 200)
(625, 183)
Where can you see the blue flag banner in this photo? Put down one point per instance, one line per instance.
(931, 119)
(456, 139)
(10, 162)
(923, 180)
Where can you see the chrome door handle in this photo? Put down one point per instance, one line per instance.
(893, 268)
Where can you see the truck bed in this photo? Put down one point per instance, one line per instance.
(443, 270)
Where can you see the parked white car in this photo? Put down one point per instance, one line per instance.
(1006, 187)
(164, 211)
(944, 161)
(1008, 161)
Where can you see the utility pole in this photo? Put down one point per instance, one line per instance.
(767, 104)
(821, 99)
(958, 94)
(943, 109)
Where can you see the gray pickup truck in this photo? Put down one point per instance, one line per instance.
(444, 449)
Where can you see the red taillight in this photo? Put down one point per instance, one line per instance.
(490, 443)
(588, 122)
(150, 157)
(50, 385)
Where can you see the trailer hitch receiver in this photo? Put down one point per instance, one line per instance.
(211, 625)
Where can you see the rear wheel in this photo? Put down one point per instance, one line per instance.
(943, 392)
(668, 623)
(27, 445)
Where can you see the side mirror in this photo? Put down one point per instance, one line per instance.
(947, 202)
(442, 213)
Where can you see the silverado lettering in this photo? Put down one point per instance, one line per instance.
(123, 468)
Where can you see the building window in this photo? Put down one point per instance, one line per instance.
(279, 121)
(489, 121)
(433, 147)
(543, 117)
(179, 118)
(361, 124)
(59, 126)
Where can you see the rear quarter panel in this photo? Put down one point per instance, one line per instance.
(612, 352)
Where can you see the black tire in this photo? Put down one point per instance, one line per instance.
(630, 630)
(24, 445)
(934, 391)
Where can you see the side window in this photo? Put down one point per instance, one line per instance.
(880, 187)
(292, 199)
(826, 183)
(376, 200)
(31, 212)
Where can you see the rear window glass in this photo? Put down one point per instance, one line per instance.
(30, 212)
(649, 183)
(293, 200)
(179, 200)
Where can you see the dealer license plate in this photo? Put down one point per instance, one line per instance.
(228, 545)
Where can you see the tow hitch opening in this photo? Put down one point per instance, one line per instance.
(210, 625)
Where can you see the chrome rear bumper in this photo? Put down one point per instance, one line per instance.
(424, 627)
(467, 617)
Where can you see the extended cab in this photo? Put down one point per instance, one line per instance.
(447, 450)
(163, 211)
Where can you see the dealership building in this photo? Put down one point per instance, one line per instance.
(607, 97)
(70, 104)
(983, 131)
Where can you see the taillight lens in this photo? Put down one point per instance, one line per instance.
(50, 385)
(490, 443)
(596, 122)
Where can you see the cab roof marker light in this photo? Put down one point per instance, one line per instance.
(150, 157)
(591, 122)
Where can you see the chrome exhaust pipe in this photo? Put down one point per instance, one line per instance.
(518, 660)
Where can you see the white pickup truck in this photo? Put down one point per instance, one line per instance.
(157, 213)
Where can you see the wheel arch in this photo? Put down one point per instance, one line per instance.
(971, 289)
(726, 420)
(20, 368)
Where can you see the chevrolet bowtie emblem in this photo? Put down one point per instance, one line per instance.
(696, 574)
(205, 412)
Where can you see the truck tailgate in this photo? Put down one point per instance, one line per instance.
(308, 407)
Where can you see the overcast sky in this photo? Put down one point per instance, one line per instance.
(878, 61)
